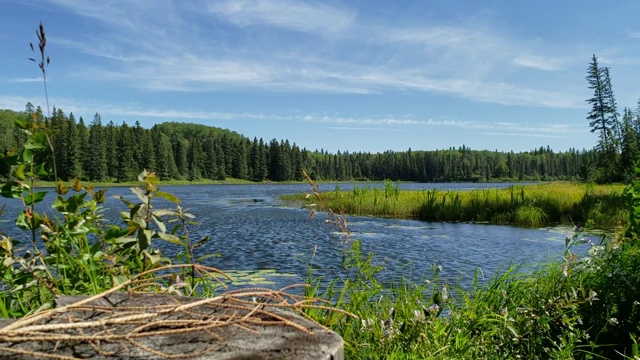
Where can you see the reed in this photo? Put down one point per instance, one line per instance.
(532, 205)
(573, 308)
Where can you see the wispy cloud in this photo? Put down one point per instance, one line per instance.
(467, 60)
(22, 80)
(525, 134)
(633, 34)
(363, 129)
(539, 62)
(317, 18)
(16, 103)
(502, 128)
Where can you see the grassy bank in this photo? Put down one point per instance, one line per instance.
(580, 308)
(531, 205)
(576, 308)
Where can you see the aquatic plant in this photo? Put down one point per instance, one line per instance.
(574, 308)
(532, 205)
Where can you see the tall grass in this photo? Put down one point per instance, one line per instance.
(575, 308)
(565, 310)
(532, 205)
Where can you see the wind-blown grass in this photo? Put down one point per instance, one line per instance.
(531, 205)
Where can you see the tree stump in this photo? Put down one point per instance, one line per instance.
(159, 326)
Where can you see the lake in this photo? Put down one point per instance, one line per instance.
(269, 243)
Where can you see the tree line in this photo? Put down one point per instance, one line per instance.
(618, 146)
(110, 152)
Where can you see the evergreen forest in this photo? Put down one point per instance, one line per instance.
(110, 152)
(182, 151)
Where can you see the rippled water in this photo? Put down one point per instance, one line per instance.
(252, 230)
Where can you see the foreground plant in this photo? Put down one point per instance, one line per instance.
(578, 307)
(70, 248)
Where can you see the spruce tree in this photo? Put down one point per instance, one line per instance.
(602, 118)
(630, 151)
(111, 148)
(124, 154)
(74, 150)
(83, 143)
(96, 156)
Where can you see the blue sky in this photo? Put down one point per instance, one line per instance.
(370, 75)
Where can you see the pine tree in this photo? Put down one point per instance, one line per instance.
(74, 150)
(195, 159)
(125, 167)
(630, 149)
(612, 106)
(111, 148)
(239, 160)
(180, 148)
(221, 163)
(83, 141)
(59, 125)
(96, 156)
(602, 119)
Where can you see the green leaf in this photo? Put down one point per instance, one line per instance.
(40, 170)
(201, 242)
(163, 212)
(23, 221)
(25, 156)
(159, 223)
(154, 256)
(138, 215)
(13, 190)
(37, 197)
(116, 232)
(437, 298)
(40, 140)
(20, 124)
(171, 238)
(144, 238)
(127, 242)
(140, 194)
(18, 172)
(129, 204)
(168, 196)
(99, 196)
(205, 257)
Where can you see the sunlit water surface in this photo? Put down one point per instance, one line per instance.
(268, 243)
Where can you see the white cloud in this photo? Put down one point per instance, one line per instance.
(539, 62)
(291, 15)
(525, 134)
(468, 60)
(16, 103)
(363, 128)
(22, 80)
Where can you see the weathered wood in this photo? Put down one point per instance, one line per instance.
(259, 339)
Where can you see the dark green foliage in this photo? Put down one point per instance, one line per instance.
(110, 136)
(191, 151)
(95, 161)
(124, 154)
(196, 159)
(73, 160)
(603, 120)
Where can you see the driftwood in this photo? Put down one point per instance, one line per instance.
(246, 324)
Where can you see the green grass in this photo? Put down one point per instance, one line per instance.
(565, 310)
(531, 205)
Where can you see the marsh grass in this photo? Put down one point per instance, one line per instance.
(531, 205)
(585, 308)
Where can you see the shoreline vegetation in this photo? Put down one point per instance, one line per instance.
(603, 206)
(586, 308)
